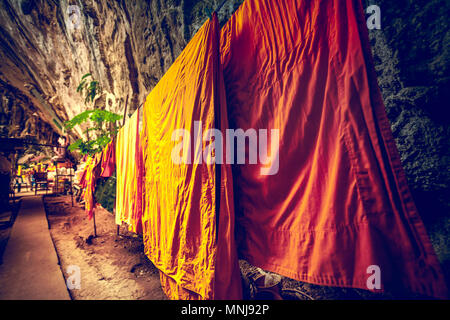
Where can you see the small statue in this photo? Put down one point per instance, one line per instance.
(61, 151)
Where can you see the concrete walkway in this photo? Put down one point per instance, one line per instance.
(30, 269)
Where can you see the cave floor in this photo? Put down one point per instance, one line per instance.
(112, 267)
(30, 269)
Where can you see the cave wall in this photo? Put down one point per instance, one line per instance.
(19, 118)
(126, 45)
(412, 59)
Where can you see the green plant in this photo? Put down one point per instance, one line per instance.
(97, 118)
(105, 192)
(91, 88)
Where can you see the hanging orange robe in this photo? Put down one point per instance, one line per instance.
(127, 174)
(108, 164)
(140, 170)
(187, 236)
(339, 201)
(92, 172)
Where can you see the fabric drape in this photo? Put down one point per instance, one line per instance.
(127, 196)
(338, 201)
(136, 226)
(187, 236)
(108, 164)
(101, 164)
(92, 173)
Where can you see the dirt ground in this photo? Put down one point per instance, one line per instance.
(112, 267)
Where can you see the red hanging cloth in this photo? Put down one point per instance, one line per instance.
(108, 162)
(333, 200)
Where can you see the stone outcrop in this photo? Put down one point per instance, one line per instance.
(47, 46)
(19, 118)
(412, 58)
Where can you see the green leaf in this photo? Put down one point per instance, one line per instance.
(76, 145)
(85, 76)
(78, 119)
(81, 86)
(96, 119)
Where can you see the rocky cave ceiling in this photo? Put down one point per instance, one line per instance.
(126, 45)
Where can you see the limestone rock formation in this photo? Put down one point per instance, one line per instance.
(19, 117)
(47, 46)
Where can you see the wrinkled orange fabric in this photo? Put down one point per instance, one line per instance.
(138, 211)
(340, 201)
(98, 165)
(108, 162)
(186, 235)
(92, 172)
(127, 174)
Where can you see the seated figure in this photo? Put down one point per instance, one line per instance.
(61, 152)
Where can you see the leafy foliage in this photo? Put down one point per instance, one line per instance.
(105, 192)
(91, 88)
(97, 118)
